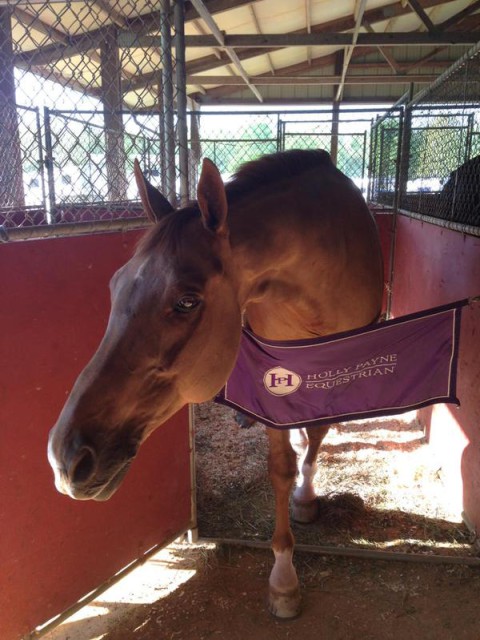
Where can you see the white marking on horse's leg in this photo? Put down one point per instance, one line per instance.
(304, 491)
(305, 507)
(284, 592)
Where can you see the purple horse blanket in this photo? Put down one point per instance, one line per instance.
(383, 369)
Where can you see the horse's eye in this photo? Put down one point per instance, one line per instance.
(187, 304)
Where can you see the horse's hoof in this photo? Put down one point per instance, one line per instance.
(305, 512)
(284, 605)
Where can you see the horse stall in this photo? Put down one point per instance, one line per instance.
(427, 173)
(87, 88)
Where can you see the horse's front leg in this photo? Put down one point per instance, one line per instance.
(284, 592)
(306, 443)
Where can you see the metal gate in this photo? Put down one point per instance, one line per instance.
(345, 136)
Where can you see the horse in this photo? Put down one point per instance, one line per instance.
(288, 248)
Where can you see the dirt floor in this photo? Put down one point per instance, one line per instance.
(380, 491)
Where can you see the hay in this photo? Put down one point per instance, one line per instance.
(377, 482)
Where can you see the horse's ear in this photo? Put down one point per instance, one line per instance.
(212, 199)
(155, 205)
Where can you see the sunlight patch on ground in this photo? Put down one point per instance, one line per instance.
(391, 464)
(161, 575)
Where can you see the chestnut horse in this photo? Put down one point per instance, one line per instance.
(289, 247)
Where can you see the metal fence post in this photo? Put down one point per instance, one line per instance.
(167, 87)
(49, 165)
(334, 132)
(405, 135)
(372, 173)
(12, 192)
(162, 160)
(181, 79)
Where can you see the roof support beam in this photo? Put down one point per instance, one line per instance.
(312, 80)
(140, 26)
(220, 40)
(308, 21)
(359, 10)
(421, 13)
(241, 41)
(458, 17)
(33, 22)
(259, 30)
(382, 50)
(115, 15)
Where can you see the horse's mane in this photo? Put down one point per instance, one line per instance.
(251, 176)
(272, 168)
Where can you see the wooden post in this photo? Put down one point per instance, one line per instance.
(112, 109)
(334, 132)
(161, 131)
(336, 110)
(167, 76)
(12, 192)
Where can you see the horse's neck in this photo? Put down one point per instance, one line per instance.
(273, 288)
(301, 272)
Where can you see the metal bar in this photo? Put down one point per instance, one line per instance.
(364, 155)
(161, 133)
(387, 39)
(41, 162)
(470, 129)
(180, 74)
(71, 229)
(280, 145)
(456, 65)
(352, 552)
(440, 222)
(168, 106)
(51, 210)
(401, 178)
(371, 161)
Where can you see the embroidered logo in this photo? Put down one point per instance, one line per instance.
(281, 382)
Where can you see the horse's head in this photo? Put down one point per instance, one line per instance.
(171, 339)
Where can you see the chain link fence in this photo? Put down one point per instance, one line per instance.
(386, 137)
(425, 155)
(444, 155)
(232, 138)
(85, 88)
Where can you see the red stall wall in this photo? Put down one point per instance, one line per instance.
(55, 303)
(385, 225)
(434, 266)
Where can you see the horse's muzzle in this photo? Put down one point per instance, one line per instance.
(82, 474)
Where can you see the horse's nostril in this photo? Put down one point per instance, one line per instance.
(83, 467)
